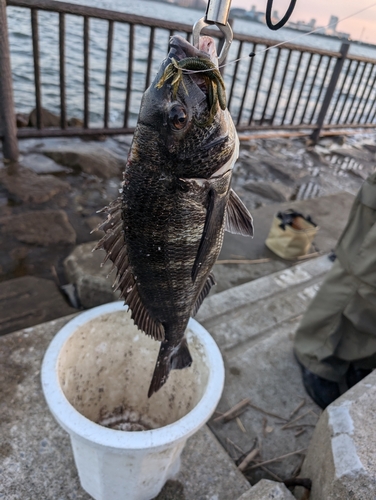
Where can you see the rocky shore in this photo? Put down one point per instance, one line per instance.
(50, 198)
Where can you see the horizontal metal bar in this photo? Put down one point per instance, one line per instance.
(29, 132)
(109, 15)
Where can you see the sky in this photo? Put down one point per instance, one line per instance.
(361, 26)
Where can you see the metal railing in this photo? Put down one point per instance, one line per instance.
(289, 87)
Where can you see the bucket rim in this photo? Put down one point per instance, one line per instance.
(81, 427)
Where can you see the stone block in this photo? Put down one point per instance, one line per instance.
(83, 267)
(271, 191)
(27, 301)
(29, 187)
(41, 164)
(341, 459)
(40, 227)
(267, 490)
(88, 158)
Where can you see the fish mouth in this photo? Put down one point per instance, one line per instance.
(201, 65)
(181, 49)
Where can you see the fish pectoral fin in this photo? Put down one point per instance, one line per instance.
(210, 281)
(238, 218)
(114, 245)
(216, 205)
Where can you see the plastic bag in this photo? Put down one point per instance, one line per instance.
(291, 234)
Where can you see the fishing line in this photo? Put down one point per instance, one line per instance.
(254, 54)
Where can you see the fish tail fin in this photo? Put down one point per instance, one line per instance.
(175, 358)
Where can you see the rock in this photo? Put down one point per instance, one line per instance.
(41, 164)
(280, 172)
(341, 459)
(267, 490)
(354, 152)
(93, 222)
(75, 122)
(83, 268)
(28, 187)
(307, 190)
(22, 120)
(88, 158)
(125, 139)
(370, 147)
(42, 227)
(28, 301)
(48, 119)
(268, 190)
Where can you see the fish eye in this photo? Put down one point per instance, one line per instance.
(177, 117)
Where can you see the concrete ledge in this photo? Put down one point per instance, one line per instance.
(341, 459)
(36, 460)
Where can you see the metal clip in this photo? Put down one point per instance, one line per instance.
(226, 30)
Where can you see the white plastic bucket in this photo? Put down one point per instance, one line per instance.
(99, 364)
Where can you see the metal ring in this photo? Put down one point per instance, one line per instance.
(226, 30)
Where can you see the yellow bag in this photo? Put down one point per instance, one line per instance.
(291, 235)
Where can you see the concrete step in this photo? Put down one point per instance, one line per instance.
(37, 460)
(251, 311)
(254, 326)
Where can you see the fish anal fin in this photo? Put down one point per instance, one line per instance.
(238, 218)
(115, 247)
(169, 358)
(210, 281)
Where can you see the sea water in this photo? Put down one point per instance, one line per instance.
(19, 25)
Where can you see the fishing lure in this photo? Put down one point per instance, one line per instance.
(210, 73)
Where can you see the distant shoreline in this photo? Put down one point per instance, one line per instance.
(316, 33)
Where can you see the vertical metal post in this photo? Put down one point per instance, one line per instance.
(38, 94)
(108, 72)
(63, 112)
(7, 114)
(86, 72)
(330, 91)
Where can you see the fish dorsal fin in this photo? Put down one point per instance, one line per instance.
(210, 281)
(238, 218)
(114, 245)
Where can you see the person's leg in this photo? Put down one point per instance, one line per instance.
(338, 331)
(319, 332)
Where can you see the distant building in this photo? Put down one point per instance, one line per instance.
(237, 12)
(192, 4)
(311, 25)
(333, 21)
(248, 15)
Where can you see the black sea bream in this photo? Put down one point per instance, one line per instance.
(165, 231)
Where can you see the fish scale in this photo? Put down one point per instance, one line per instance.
(165, 232)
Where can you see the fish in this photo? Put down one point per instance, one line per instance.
(164, 232)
